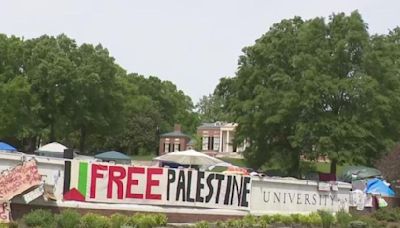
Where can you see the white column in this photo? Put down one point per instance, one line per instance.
(220, 141)
(227, 141)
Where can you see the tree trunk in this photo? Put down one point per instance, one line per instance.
(333, 166)
(52, 132)
(294, 169)
(82, 140)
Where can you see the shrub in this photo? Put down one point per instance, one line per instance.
(388, 214)
(265, 220)
(39, 218)
(68, 219)
(250, 221)
(315, 219)
(91, 220)
(327, 219)
(295, 218)
(343, 219)
(117, 220)
(161, 219)
(202, 224)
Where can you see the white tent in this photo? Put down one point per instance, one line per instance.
(53, 149)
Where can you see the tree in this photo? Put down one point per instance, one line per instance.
(211, 108)
(313, 88)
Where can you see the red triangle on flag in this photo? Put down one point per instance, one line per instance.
(74, 194)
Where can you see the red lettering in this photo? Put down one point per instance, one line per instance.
(112, 177)
(150, 183)
(130, 181)
(95, 175)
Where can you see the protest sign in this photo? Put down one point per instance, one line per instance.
(19, 179)
(104, 182)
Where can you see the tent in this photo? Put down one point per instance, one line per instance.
(53, 149)
(352, 173)
(377, 186)
(115, 156)
(7, 147)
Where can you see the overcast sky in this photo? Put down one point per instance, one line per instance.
(191, 43)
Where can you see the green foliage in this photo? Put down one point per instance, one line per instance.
(387, 214)
(327, 218)
(91, 220)
(358, 224)
(55, 90)
(39, 218)
(316, 88)
(117, 220)
(147, 220)
(68, 219)
(202, 224)
(343, 219)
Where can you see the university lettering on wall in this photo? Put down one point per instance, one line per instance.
(104, 182)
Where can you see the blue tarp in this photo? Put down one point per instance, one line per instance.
(7, 147)
(377, 186)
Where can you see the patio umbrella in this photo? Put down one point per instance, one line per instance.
(189, 157)
(6, 147)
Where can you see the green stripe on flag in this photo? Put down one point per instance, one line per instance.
(82, 181)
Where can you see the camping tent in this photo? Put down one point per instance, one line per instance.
(7, 147)
(53, 149)
(115, 156)
(377, 186)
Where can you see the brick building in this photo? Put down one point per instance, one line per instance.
(173, 141)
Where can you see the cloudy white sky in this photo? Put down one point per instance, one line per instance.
(191, 43)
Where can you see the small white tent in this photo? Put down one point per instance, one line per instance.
(53, 149)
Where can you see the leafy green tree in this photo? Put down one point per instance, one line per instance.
(211, 108)
(314, 88)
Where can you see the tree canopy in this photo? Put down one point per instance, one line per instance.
(317, 88)
(53, 89)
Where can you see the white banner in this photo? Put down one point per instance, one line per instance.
(104, 182)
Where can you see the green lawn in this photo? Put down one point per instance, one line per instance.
(147, 157)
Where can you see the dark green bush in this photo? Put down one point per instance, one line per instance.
(140, 220)
(327, 219)
(39, 218)
(388, 214)
(343, 219)
(117, 220)
(91, 220)
(358, 224)
(68, 219)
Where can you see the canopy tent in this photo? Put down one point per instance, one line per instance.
(53, 149)
(189, 157)
(116, 156)
(358, 173)
(377, 186)
(7, 147)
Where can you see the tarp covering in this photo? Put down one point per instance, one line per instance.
(377, 186)
(358, 173)
(6, 147)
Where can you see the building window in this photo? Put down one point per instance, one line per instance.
(177, 147)
(166, 147)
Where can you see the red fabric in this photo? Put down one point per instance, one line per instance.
(74, 194)
(327, 177)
